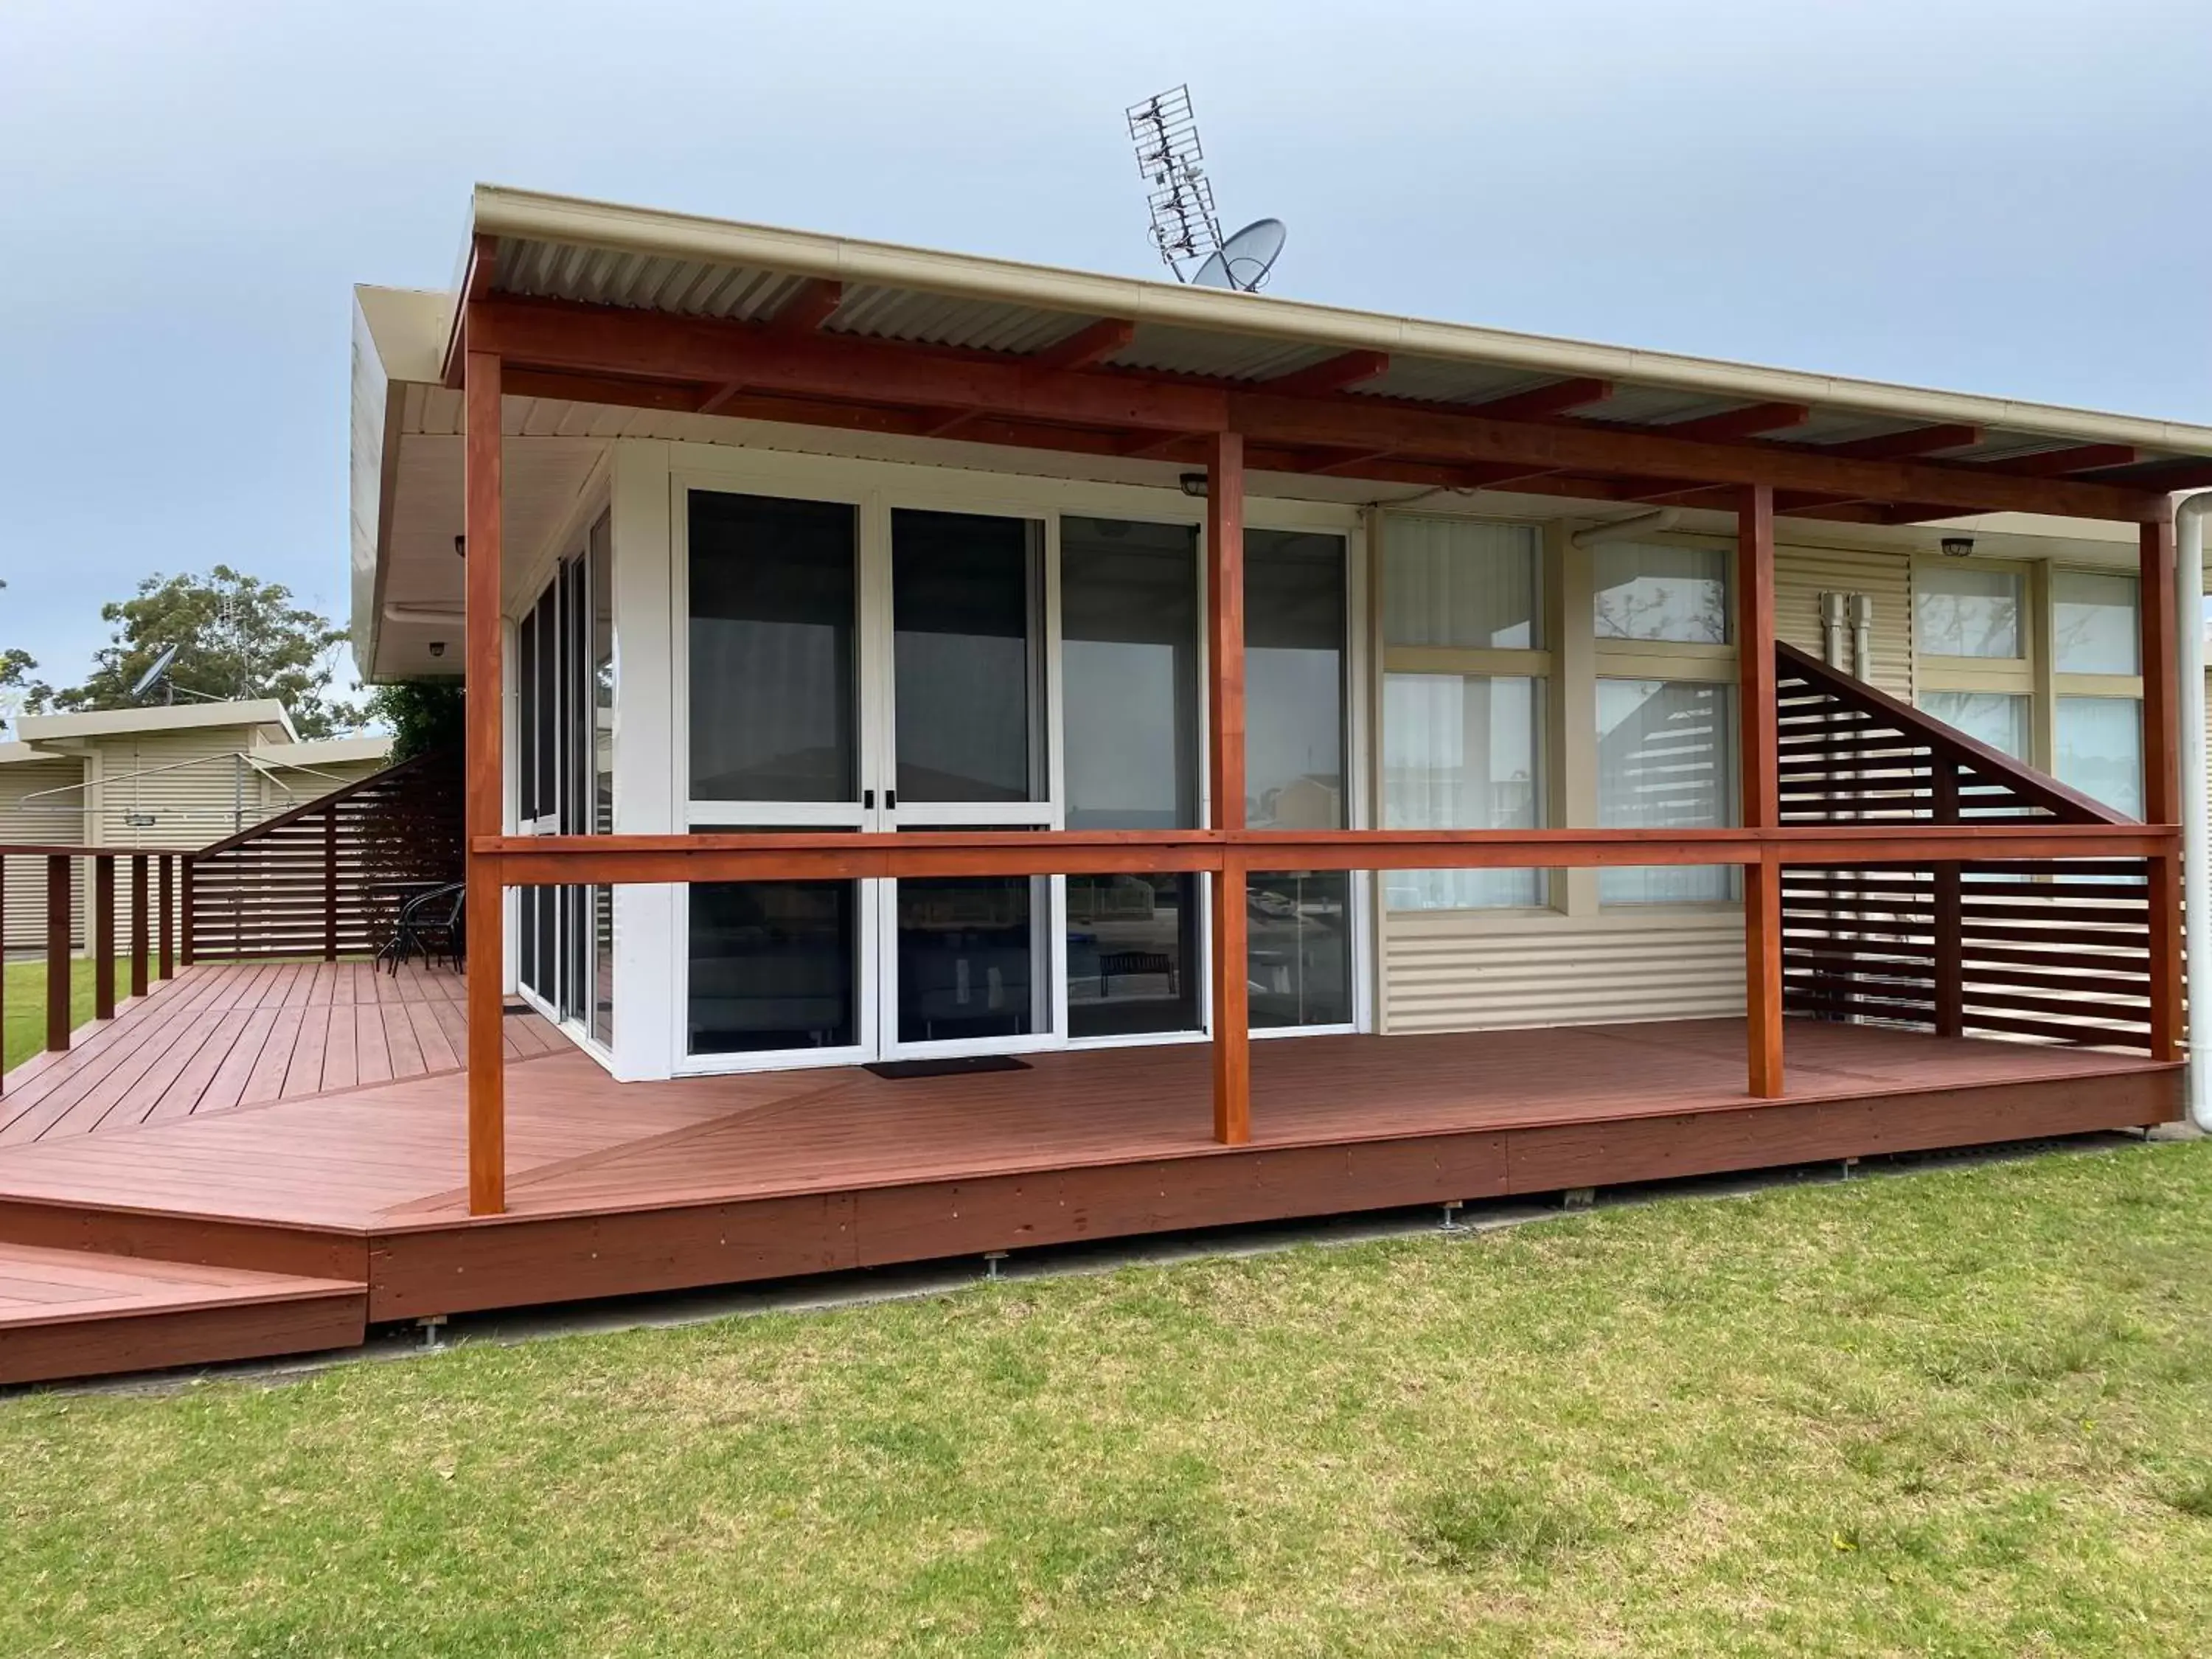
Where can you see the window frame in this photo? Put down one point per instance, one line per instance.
(1537, 663)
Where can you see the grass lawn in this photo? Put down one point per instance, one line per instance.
(24, 1032)
(1962, 1411)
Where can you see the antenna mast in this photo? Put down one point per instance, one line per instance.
(1165, 133)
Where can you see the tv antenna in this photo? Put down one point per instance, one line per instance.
(1185, 226)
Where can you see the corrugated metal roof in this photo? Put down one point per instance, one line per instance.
(604, 253)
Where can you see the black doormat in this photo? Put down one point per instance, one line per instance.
(897, 1069)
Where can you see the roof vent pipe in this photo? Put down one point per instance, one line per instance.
(1628, 530)
(2196, 843)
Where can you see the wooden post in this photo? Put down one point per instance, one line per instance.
(103, 936)
(331, 884)
(1950, 910)
(58, 952)
(185, 912)
(482, 813)
(1760, 760)
(138, 925)
(2162, 746)
(1224, 709)
(168, 965)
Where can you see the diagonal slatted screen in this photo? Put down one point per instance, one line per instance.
(326, 879)
(2046, 949)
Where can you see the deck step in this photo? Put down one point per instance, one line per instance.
(67, 1313)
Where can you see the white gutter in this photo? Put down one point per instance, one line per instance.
(2196, 835)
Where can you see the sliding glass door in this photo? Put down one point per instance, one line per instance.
(565, 685)
(863, 665)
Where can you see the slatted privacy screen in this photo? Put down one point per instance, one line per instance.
(1851, 754)
(326, 879)
(2056, 949)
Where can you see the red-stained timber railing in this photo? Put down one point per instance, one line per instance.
(2014, 942)
(152, 942)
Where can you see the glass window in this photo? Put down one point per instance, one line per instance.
(2093, 623)
(1961, 609)
(2100, 749)
(600, 583)
(970, 961)
(1647, 590)
(774, 593)
(1459, 583)
(1462, 751)
(1129, 606)
(1666, 761)
(1998, 719)
(772, 966)
(967, 591)
(1129, 654)
(1296, 634)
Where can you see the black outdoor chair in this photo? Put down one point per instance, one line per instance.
(429, 925)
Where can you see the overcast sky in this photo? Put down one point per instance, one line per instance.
(1998, 196)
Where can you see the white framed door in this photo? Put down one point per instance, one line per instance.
(964, 657)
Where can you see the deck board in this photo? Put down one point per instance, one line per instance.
(224, 1034)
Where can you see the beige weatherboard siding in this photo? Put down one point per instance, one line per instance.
(169, 779)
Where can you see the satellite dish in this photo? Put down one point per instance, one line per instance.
(1244, 260)
(155, 671)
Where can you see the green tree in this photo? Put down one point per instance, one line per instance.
(239, 637)
(425, 716)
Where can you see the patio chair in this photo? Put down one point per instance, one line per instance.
(430, 925)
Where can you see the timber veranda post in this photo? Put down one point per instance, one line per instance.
(1758, 749)
(483, 796)
(1225, 707)
(2161, 744)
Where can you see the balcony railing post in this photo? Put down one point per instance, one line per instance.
(1230, 954)
(484, 807)
(185, 910)
(1950, 909)
(168, 963)
(1759, 747)
(103, 936)
(2162, 784)
(59, 909)
(331, 885)
(138, 925)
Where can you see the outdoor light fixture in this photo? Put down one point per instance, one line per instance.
(437, 647)
(1958, 547)
(1193, 484)
(460, 547)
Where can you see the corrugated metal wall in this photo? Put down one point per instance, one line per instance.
(1453, 971)
(29, 815)
(1801, 574)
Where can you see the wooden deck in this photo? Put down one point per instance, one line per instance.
(617, 1188)
(225, 1034)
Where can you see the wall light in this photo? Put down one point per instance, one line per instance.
(1193, 484)
(460, 547)
(1958, 547)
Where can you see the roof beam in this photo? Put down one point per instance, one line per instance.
(1542, 402)
(2170, 475)
(1745, 422)
(1900, 446)
(809, 307)
(1091, 344)
(475, 286)
(1335, 373)
(829, 368)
